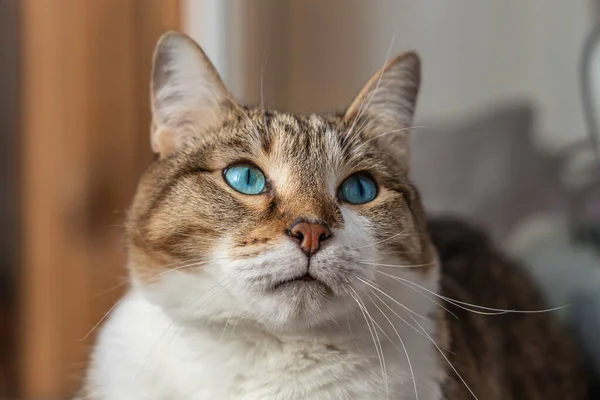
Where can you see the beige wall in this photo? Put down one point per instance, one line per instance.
(308, 50)
(474, 53)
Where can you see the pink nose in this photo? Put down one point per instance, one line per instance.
(309, 235)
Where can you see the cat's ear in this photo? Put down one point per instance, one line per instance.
(388, 101)
(188, 97)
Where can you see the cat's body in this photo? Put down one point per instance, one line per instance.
(277, 257)
(518, 356)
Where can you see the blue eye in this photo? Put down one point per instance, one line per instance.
(359, 188)
(245, 179)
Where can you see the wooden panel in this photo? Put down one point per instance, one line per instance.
(85, 128)
(52, 185)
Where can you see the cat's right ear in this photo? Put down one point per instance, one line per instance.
(188, 96)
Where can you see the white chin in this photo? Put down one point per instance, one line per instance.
(299, 305)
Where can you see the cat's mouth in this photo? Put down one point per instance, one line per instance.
(306, 278)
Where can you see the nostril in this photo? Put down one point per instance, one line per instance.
(295, 234)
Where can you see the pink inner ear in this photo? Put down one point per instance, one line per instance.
(166, 142)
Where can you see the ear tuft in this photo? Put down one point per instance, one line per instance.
(188, 96)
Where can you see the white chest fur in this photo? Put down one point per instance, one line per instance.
(143, 354)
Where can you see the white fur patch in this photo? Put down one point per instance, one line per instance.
(219, 334)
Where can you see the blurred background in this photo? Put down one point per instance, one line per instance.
(509, 122)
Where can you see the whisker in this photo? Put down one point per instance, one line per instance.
(501, 311)
(396, 266)
(236, 323)
(178, 262)
(103, 318)
(263, 66)
(390, 297)
(245, 115)
(408, 283)
(191, 265)
(422, 294)
(360, 109)
(381, 241)
(126, 281)
(383, 257)
(406, 309)
(374, 334)
(461, 304)
(445, 358)
(351, 333)
(110, 289)
(387, 58)
(363, 144)
(401, 342)
(169, 326)
(370, 120)
(396, 314)
(217, 285)
(347, 137)
(201, 238)
(225, 327)
(153, 349)
(364, 126)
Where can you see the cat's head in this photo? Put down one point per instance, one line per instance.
(271, 217)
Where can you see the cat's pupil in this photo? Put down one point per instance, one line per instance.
(245, 179)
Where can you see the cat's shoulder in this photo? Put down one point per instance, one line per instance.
(127, 345)
(501, 354)
(469, 258)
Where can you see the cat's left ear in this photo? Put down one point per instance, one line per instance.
(188, 96)
(388, 101)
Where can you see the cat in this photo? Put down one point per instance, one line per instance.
(275, 257)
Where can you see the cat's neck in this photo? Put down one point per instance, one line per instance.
(391, 309)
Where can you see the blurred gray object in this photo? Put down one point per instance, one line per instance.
(486, 168)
